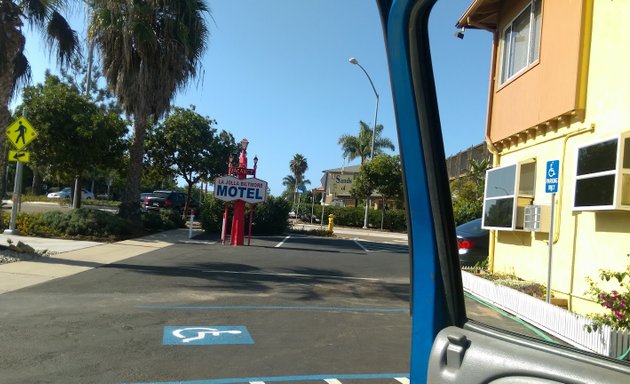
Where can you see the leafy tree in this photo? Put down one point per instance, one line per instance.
(382, 175)
(360, 146)
(76, 74)
(14, 66)
(189, 144)
(150, 49)
(467, 192)
(75, 134)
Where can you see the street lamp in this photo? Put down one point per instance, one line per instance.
(367, 201)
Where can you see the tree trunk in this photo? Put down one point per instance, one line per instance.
(36, 185)
(187, 204)
(130, 205)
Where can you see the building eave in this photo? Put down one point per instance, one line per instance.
(481, 14)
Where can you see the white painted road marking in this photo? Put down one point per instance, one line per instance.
(294, 275)
(332, 381)
(282, 242)
(256, 382)
(201, 333)
(402, 380)
(356, 241)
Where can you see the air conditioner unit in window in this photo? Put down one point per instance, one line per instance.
(602, 175)
(535, 218)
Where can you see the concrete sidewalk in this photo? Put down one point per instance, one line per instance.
(77, 256)
(351, 232)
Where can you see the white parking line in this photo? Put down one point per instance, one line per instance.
(293, 275)
(256, 382)
(282, 242)
(402, 380)
(332, 381)
(356, 241)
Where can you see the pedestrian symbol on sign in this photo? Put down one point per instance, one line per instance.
(21, 133)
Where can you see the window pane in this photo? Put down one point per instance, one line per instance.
(520, 42)
(501, 182)
(527, 181)
(597, 158)
(625, 189)
(535, 45)
(595, 191)
(498, 213)
(507, 37)
(626, 153)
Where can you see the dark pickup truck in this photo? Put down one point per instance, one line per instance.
(171, 200)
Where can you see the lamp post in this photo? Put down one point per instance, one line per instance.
(367, 201)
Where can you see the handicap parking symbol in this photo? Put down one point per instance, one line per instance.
(210, 335)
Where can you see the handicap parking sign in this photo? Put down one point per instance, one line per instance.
(202, 335)
(552, 174)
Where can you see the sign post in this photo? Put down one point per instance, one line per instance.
(552, 175)
(238, 188)
(20, 133)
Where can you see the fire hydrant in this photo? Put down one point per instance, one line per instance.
(331, 222)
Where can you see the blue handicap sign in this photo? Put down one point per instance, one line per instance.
(206, 335)
(552, 174)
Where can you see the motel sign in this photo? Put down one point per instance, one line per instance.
(229, 188)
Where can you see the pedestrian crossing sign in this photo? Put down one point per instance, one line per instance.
(21, 133)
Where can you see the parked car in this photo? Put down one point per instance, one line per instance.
(472, 243)
(169, 199)
(143, 197)
(66, 193)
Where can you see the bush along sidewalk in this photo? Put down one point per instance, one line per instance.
(92, 224)
(615, 301)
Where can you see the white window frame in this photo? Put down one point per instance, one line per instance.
(618, 172)
(515, 196)
(504, 77)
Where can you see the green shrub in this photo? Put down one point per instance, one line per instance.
(615, 302)
(152, 221)
(24, 222)
(395, 219)
(77, 222)
(211, 214)
(171, 219)
(271, 217)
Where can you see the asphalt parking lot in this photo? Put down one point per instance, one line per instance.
(297, 309)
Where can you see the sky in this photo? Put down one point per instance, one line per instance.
(277, 73)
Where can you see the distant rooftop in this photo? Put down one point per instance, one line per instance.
(347, 169)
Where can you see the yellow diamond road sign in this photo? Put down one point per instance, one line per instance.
(20, 133)
(20, 156)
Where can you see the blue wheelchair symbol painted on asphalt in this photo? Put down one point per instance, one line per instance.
(212, 335)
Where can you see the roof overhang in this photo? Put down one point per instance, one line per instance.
(481, 14)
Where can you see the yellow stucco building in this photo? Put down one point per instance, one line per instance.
(559, 89)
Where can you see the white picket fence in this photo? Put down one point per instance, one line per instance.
(554, 320)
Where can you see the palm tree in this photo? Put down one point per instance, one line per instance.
(150, 49)
(14, 67)
(298, 166)
(289, 182)
(360, 146)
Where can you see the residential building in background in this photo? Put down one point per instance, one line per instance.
(559, 90)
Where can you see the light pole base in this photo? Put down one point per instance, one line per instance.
(11, 232)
